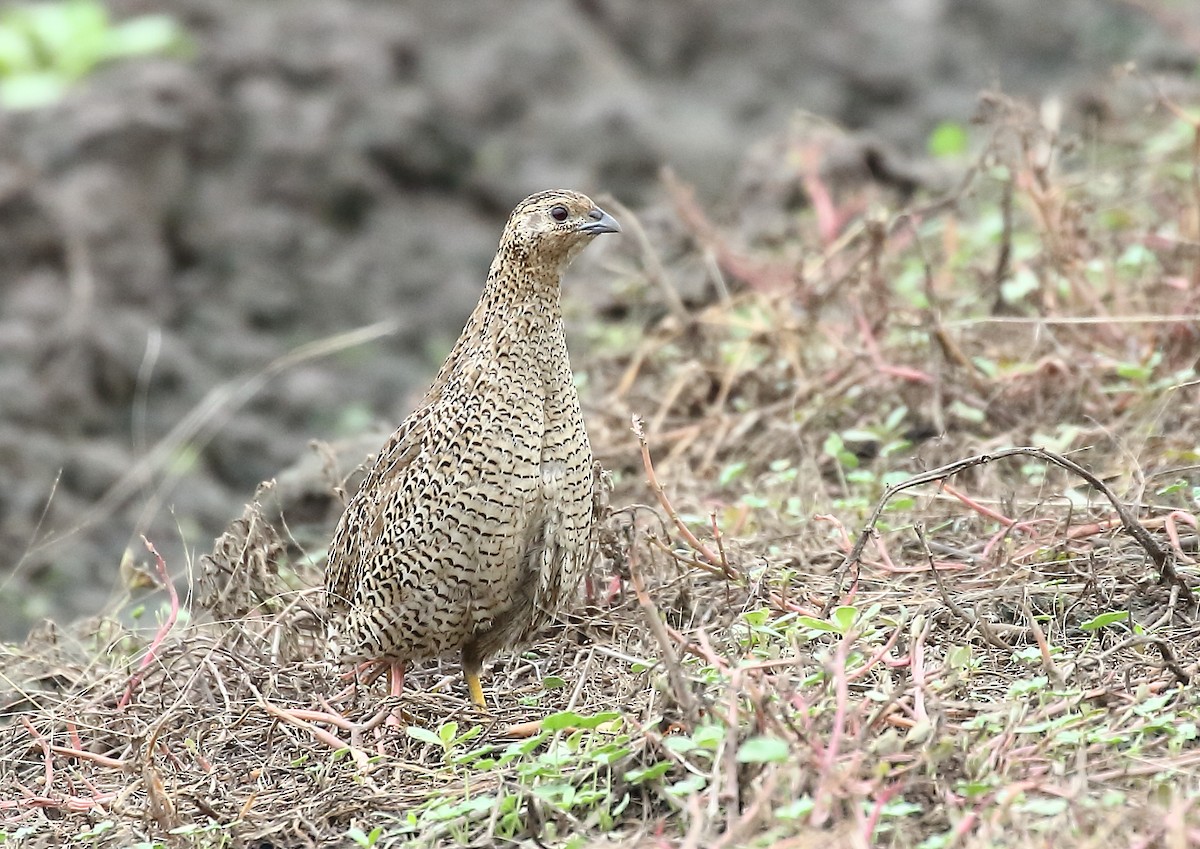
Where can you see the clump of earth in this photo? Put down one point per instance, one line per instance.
(187, 242)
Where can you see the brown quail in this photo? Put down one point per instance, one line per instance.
(475, 522)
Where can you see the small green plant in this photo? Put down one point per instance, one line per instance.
(93, 834)
(211, 834)
(446, 737)
(763, 749)
(841, 620)
(365, 839)
(568, 765)
(46, 47)
(886, 437)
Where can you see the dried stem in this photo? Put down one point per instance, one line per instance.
(1161, 558)
(683, 693)
(652, 479)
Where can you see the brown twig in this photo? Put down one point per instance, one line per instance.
(1039, 637)
(683, 693)
(1161, 558)
(1164, 649)
(655, 487)
(970, 618)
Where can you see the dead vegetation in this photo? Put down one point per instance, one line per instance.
(846, 611)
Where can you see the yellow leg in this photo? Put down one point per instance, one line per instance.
(475, 687)
(472, 665)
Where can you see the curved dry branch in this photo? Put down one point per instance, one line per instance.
(1163, 560)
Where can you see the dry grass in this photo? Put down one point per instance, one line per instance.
(999, 663)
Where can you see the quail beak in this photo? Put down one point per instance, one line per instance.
(599, 222)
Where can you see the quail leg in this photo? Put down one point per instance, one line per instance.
(472, 665)
(396, 677)
(395, 673)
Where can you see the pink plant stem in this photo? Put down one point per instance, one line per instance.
(872, 822)
(827, 759)
(70, 803)
(875, 658)
(919, 680)
(981, 509)
(846, 544)
(329, 739)
(163, 629)
(888, 565)
(1169, 523)
(964, 827)
(48, 779)
(80, 754)
(828, 220)
(868, 337)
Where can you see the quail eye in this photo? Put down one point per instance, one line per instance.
(559, 213)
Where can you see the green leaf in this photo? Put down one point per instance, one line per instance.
(1047, 807)
(757, 617)
(989, 369)
(1113, 799)
(82, 29)
(32, 90)
(1103, 620)
(16, 52)
(639, 776)
(1135, 256)
(142, 36)
(761, 749)
(959, 657)
(948, 138)
(424, 735)
(802, 807)
(561, 720)
(1024, 686)
(1023, 282)
(570, 719)
(709, 736)
(680, 744)
(817, 624)
(901, 808)
(858, 435)
(689, 785)
(553, 682)
(843, 618)
(937, 841)
(895, 417)
(1152, 705)
(1172, 488)
(975, 789)
(447, 732)
(731, 472)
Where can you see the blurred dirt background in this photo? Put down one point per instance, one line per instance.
(175, 228)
